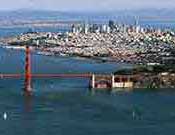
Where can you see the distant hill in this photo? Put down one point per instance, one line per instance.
(57, 15)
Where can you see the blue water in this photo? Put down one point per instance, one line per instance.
(6, 32)
(68, 107)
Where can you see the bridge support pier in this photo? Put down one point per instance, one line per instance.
(28, 76)
(112, 81)
(93, 81)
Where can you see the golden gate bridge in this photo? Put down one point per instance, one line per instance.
(28, 75)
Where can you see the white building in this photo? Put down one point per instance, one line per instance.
(138, 28)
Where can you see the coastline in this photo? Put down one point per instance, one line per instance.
(47, 53)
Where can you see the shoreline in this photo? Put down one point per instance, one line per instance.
(47, 53)
(40, 51)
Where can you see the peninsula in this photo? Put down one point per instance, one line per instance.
(115, 42)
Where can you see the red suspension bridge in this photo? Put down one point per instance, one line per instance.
(28, 74)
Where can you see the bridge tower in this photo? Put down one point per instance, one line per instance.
(28, 76)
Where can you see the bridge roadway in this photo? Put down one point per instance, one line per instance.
(11, 76)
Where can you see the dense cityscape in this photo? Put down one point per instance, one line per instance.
(114, 42)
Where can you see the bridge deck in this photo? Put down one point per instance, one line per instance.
(2, 76)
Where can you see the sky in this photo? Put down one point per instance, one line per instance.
(85, 5)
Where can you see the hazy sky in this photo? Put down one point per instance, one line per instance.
(85, 5)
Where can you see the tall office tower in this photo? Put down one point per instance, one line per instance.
(112, 25)
(86, 28)
(73, 29)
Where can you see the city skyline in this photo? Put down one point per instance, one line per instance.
(90, 5)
